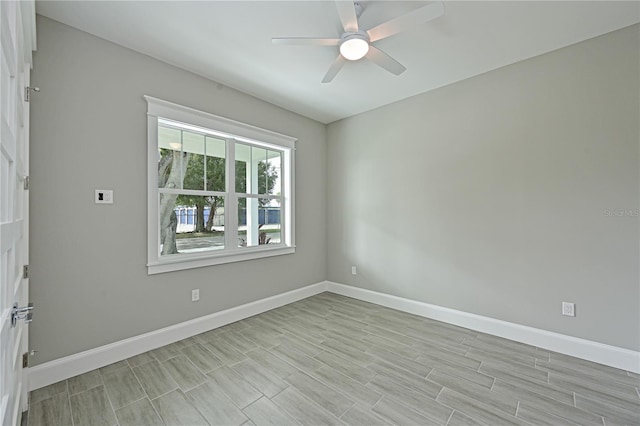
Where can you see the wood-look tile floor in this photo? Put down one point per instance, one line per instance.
(330, 360)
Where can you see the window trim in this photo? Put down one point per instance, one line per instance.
(228, 129)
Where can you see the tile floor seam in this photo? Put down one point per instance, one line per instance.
(113, 410)
(274, 396)
(70, 407)
(399, 401)
(562, 403)
(140, 383)
(330, 386)
(132, 402)
(450, 415)
(627, 399)
(442, 403)
(203, 414)
(428, 374)
(166, 393)
(153, 407)
(377, 402)
(192, 388)
(284, 360)
(312, 402)
(537, 393)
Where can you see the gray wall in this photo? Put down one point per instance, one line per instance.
(491, 195)
(88, 131)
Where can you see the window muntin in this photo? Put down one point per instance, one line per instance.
(194, 168)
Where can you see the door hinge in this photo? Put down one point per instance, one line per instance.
(25, 271)
(26, 182)
(27, 92)
(25, 360)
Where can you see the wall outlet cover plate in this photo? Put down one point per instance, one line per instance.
(569, 309)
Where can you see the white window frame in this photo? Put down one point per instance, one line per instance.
(232, 131)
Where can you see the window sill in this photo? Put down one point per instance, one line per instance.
(181, 262)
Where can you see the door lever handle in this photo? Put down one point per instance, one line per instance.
(23, 313)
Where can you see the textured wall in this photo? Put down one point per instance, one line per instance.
(499, 195)
(88, 262)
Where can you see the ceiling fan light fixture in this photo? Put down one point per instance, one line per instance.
(354, 47)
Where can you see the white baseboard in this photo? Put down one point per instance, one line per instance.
(581, 348)
(70, 366)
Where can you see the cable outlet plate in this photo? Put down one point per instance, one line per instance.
(569, 309)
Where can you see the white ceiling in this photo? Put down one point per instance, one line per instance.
(230, 43)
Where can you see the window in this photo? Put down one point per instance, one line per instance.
(219, 191)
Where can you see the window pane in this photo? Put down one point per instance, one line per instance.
(243, 172)
(168, 221)
(257, 170)
(193, 160)
(259, 167)
(216, 163)
(190, 224)
(274, 172)
(259, 222)
(169, 138)
(169, 157)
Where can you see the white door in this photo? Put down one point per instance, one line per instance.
(17, 33)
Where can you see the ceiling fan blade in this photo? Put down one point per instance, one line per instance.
(401, 23)
(348, 17)
(306, 41)
(334, 68)
(380, 58)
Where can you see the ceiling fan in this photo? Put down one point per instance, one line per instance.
(356, 43)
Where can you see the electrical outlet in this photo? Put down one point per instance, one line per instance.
(569, 309)
(353, 270)
(195, 294)
(104, 196)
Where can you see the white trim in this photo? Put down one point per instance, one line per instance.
(184, 262)
(288, 190)
(72, 365)
(153, 225)
(580, 348)
(234, 129)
